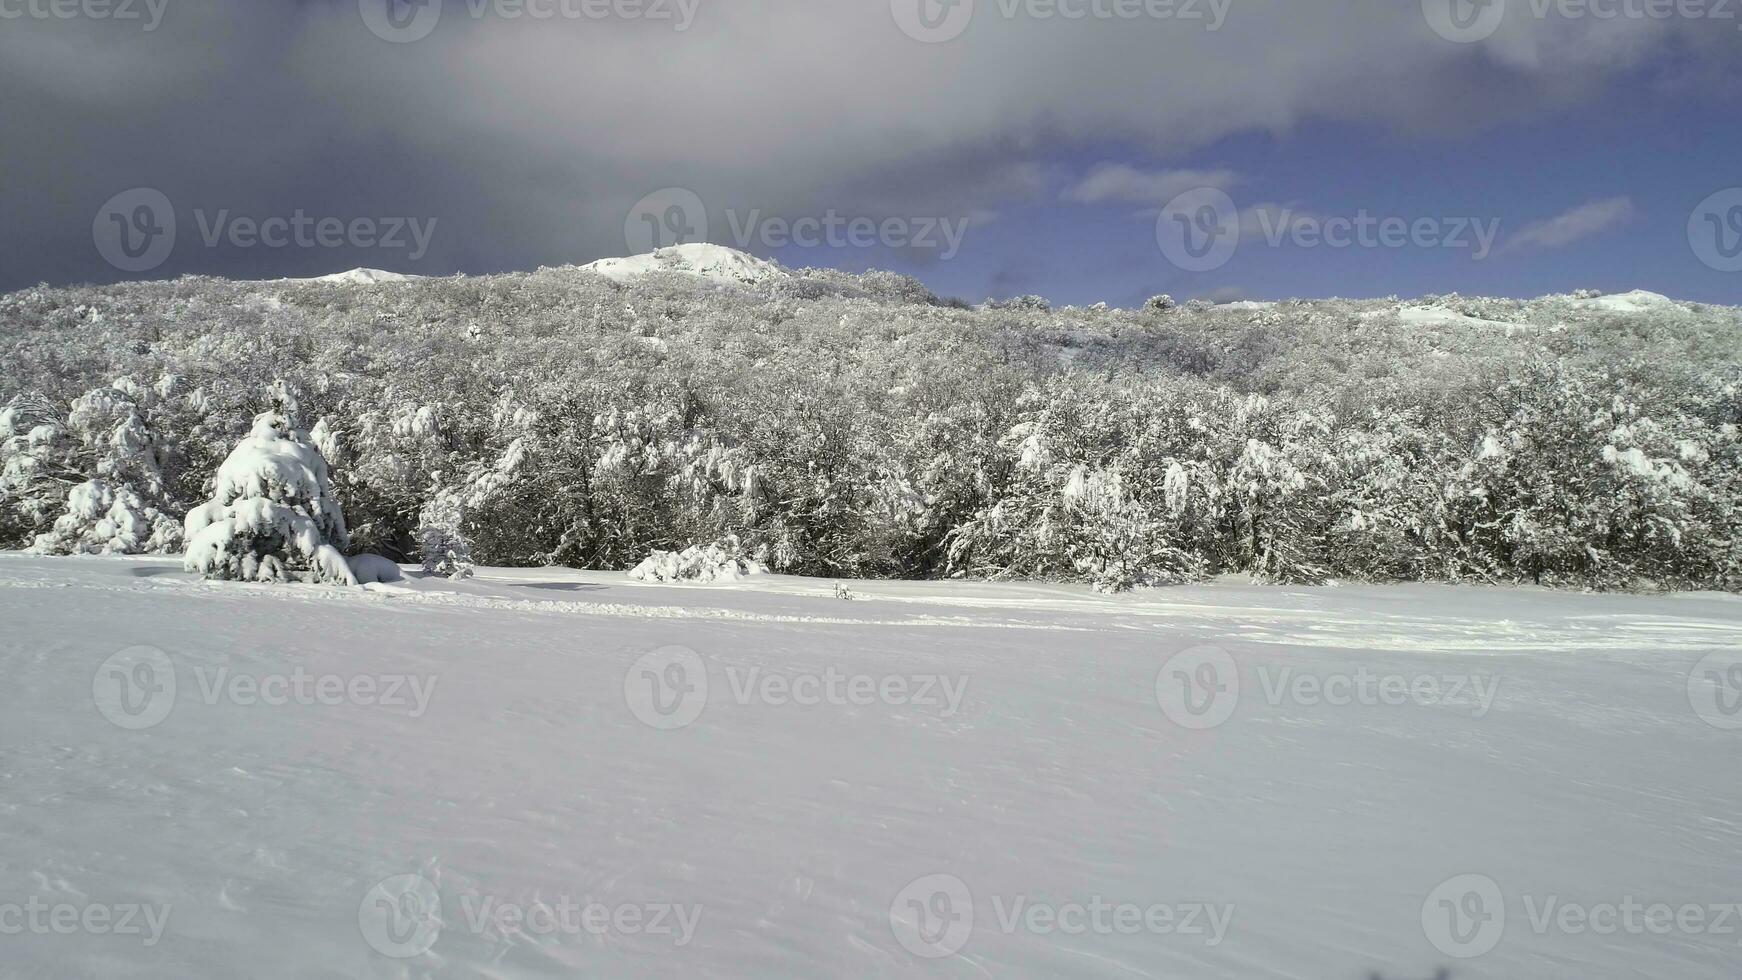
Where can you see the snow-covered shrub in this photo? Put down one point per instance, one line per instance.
(272, 516)
(119, 505)
(446, 549)
(1276, 513)
(370, 569)
(722, 561)
(110, 422)
(1118, 543)
(1383, 489)
(1089, 522)
(1029, 302)
(104, 519)
(36, 468)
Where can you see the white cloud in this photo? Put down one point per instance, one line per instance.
(1120, 182)
(1580, 223)
(1275, 223)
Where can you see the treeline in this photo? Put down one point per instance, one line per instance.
(856, 426)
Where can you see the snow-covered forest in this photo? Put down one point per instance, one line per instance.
(823, 423)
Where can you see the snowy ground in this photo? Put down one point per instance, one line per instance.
(558, 773)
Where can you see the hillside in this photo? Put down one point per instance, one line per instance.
(858, 426)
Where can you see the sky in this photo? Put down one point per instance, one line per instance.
(1083, 150)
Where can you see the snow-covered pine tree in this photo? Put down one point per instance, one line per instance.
(272, 516)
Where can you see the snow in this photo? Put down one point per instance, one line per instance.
(1638, 301)
(374, 570)
(272, 512)
(714, 262)
(359, 277)
(719, 562)
(489, 750)
(105, 519)
(1246, 304)
(1438, 316)
(266, 462)
(1635, 462)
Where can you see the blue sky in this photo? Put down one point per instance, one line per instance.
(1665, 156)
(520, 143)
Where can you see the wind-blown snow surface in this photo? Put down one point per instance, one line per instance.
(512, 767)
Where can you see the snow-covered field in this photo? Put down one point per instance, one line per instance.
(560, 773)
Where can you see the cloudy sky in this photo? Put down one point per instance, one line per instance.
(1081, 149)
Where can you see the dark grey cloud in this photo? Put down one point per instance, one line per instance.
(528, 140)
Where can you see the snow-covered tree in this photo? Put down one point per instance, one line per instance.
(107, 519)
(850, 426)
(447, 551)
(121, 510)
(37, 467)
(272, 516)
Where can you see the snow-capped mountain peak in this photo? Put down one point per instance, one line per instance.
(702, 259)
(359, 277)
